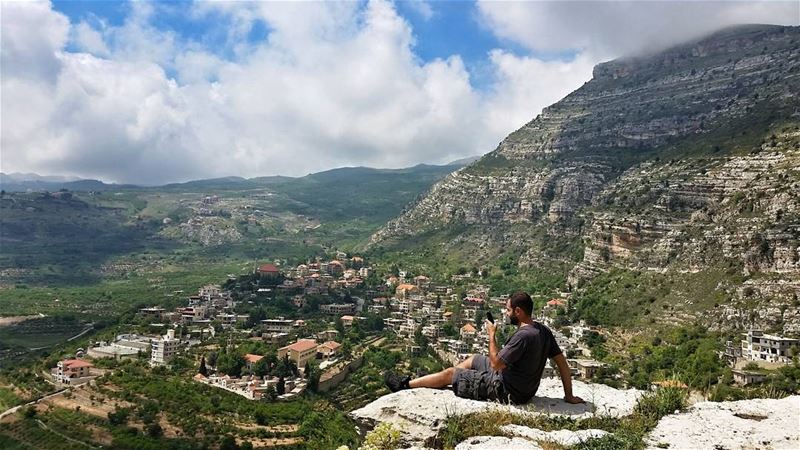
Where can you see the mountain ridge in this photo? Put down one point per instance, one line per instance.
(713, 105)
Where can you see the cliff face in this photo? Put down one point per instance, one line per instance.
(678, 161)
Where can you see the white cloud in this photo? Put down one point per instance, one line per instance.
(342, 87)
(615, 28)
(527, 84)
(421, 7)
(31, 36)
(333, 84)
(89, 40)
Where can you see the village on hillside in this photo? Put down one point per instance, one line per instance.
(441, 319)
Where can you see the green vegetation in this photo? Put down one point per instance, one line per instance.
(631, 298)
(8, 398)
(779, 383)
(41, 332)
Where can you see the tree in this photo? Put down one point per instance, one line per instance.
(347, 349)
(154, 430)
(479, 319)
(271, 394)
(313, 376)
(231, 364)
(281, 387)
(339, 325)
(212, 359)
(260, 367)
(29, 412)
(420, 339)
(202, 370)
(118, 416)
(228, 443)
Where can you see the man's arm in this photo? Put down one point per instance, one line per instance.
(497, 363)
(566, 378)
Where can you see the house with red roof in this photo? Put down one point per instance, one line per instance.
(71, 369)
(329, 349)
(270, 271)
(300, 352)
(251, 359)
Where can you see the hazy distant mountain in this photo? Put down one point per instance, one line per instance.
(19, 182)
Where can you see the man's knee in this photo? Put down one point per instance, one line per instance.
(467, 363)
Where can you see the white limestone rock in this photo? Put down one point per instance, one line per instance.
(497, 442)
(600, 399)
(744, 424)
(561, 437)
(421, 413)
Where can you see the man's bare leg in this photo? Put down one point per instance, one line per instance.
(440, 379)
(435, 380)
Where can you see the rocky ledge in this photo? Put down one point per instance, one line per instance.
(420, 414)
(744, 424)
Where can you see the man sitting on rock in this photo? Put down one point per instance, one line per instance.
(510, 375)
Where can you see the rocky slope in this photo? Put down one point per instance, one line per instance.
(675, 162)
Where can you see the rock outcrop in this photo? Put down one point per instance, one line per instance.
(744, 424)
(421, 413)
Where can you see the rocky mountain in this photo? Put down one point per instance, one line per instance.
(678, 162)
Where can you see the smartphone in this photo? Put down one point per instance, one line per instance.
(489, 316)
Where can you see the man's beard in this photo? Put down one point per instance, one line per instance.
(514, 320)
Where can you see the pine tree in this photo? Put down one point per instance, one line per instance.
(281, 387)
(203, 370)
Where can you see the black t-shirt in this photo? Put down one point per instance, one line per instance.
(525, 354)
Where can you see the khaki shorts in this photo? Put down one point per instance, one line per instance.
(480, 382)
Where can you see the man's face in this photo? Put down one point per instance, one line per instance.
(512, 314)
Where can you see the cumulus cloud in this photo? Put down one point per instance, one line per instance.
(331, 84)
(524, 83)
(615, 28)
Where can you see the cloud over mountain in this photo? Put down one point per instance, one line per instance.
(330, 84)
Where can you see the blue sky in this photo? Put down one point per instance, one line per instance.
(451, 28)
(150, 93)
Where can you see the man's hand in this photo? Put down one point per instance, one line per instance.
(573, 399)
(490, 327)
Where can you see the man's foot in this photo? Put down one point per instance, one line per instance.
(395, 382)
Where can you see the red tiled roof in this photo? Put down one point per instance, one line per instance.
(555, 301)
(268, 268)
(333, 345)
(302, 345)
(251, 358)
(468, 328)
(75, 363)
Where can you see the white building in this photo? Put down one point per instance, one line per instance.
(165, 348)
(209, 291)
(279, 325)
(757, 346)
